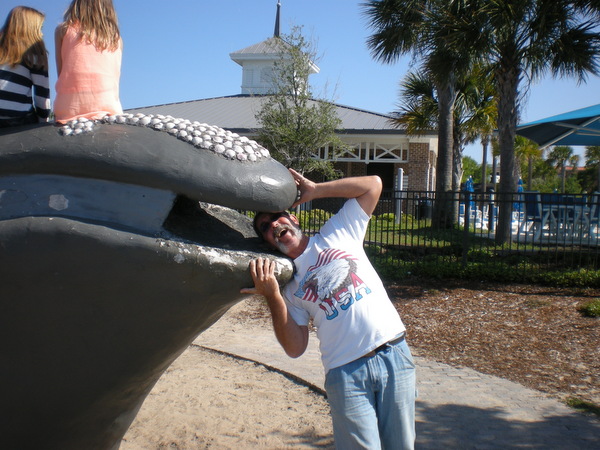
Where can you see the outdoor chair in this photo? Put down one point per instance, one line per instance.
(489, 212)
(534, 217)
(593, 219)
(475, 217)
(568, 216)
(574, 216)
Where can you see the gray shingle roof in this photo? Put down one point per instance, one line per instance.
(237, 113)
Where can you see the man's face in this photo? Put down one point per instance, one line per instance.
(280, 230)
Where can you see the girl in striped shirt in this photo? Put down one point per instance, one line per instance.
(24, 85)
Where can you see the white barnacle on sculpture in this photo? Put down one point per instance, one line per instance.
(66, 130)
(200, 135)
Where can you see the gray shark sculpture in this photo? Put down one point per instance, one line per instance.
(114, 256)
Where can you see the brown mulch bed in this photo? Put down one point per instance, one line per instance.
(532, 335)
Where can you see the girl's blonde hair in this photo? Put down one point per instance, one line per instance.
(21, 39)
(96, 21)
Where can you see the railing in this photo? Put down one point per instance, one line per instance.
(547, 231)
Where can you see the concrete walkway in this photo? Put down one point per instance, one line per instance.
(457, 408)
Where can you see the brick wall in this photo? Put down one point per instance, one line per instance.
(419, 160)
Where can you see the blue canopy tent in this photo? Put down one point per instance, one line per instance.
(579, 127)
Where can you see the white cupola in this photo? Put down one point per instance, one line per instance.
(258, 61)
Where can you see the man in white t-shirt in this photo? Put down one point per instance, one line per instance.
(370, 373)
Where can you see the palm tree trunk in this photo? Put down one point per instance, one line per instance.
(484, 151)
(457, 171)
(444, 205)
(508, 80)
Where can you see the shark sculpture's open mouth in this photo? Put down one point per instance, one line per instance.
(114, 256)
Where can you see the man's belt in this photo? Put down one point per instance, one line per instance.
(394, 341)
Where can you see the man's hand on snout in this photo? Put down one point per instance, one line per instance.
(263, 275)
(306, 188)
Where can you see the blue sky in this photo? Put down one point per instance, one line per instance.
(178, 50)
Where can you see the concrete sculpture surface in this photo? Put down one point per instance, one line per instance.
(117, 248)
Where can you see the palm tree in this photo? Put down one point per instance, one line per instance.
(558, 157)
(403, 27)
(524, 40)
(474, 110)
(526, 150)
(483, 109)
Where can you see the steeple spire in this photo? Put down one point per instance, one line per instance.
(276, 32)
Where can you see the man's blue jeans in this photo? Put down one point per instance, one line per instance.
(372, 400)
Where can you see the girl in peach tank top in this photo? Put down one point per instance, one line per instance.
(88, 59)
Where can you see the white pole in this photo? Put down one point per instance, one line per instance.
(398, 192)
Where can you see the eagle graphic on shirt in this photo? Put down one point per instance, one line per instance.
(332, 282)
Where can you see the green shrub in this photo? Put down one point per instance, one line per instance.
(591, 308)
(570, 278)
(387, 217)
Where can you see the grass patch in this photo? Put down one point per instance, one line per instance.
(583, 406)
(536, 303)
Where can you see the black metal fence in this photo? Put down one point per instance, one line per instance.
(547, 231)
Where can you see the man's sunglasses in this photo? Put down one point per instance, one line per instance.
(264, 226)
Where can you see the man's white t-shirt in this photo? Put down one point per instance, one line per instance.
(336, 285)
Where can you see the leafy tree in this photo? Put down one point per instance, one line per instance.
(544, 177)
(592, 156)
(295, 125)
(524, 40)
(471, 169)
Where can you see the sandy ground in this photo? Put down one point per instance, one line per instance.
(209, 400)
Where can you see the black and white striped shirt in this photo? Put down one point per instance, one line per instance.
(23, 90)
